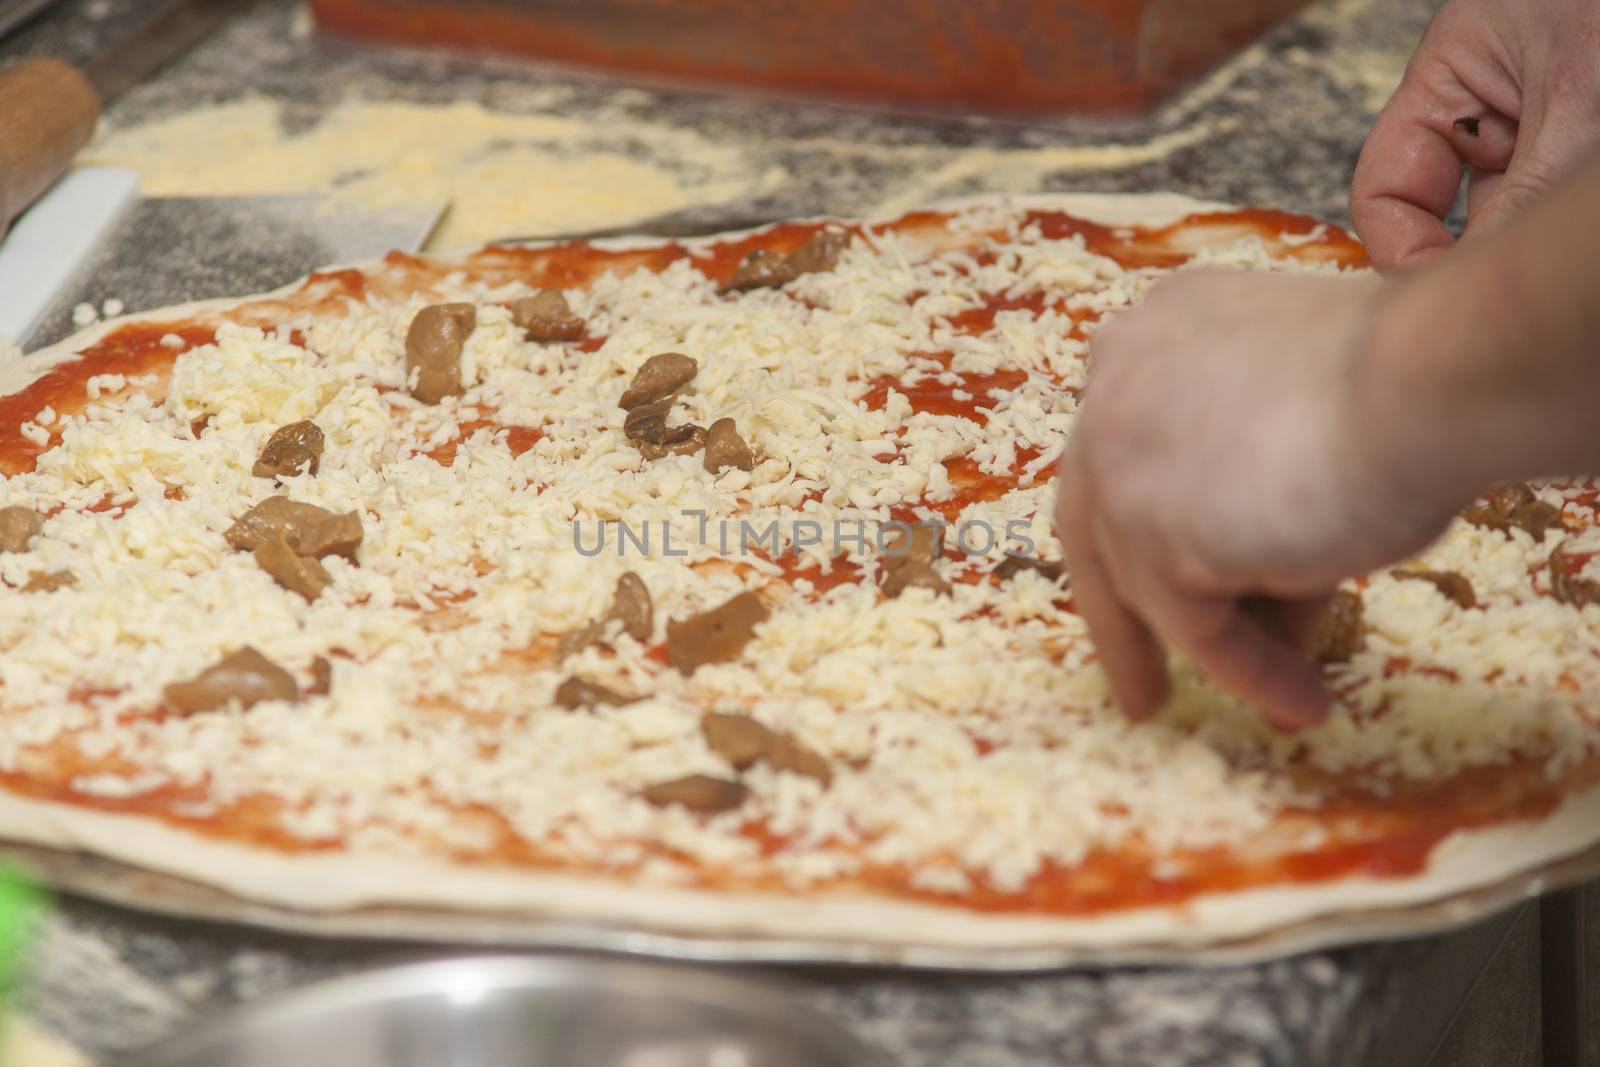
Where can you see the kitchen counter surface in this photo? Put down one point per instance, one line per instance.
(1280, 125)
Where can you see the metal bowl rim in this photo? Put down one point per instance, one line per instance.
(761, 999)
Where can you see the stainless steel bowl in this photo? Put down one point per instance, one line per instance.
(523, 1012)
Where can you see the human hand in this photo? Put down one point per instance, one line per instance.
(1508, 90)
(1223, 454)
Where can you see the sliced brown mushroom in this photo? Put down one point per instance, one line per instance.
(662, 375)
(579, 693)
(1514, 504)
(330, 534)
(917, 542)
(298, 574)
(678, 441)
(245, 676)
(1568, 587)
(725, 448)
(1342, 631)
(744, 742)
(1456, 587)
(908, 555)
(647, 422)
(546, 316)
(646, 426)
(305, 528)
(700, 793)
(291, 450)
(913, 575)
(273, 518)
(1011, 566)
(821, 252)
(761, 269)
(631, 603)
(716, 636)
(49, 581)
(574, 641)
(18, 526)
(434, 344)
(321, 677)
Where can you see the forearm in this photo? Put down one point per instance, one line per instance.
(1487, 367)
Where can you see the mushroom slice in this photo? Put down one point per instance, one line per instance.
(678, 441)
(1514, 504)
(821, 252)
(700, 793)
(647, 422)
(1456, 587)
(307, 529)
(546, 316)
(631, 603)
(272, 518)
(321, 677)
(574, 641)
(913, 574)
(1011, 566)
(744, 742)
(433, 350)
(329, 534)
(917, 542)
(716, 636)
(291, 450)
(1568, 587)
(49, 581)
(661, 376)
(579, 693)
(18, 526)
(296, 573)
(761, 269)
(646, 426)
(725, 448)
(908, 560)
(1342, 631)
(245, 676)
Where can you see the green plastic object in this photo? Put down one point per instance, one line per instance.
(22, 906)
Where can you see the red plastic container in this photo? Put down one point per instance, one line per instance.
(1016, 57)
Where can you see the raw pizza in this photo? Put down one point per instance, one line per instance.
(710, 588)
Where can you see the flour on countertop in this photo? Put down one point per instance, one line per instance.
(531, 174)
(944, 173)
(505, 174)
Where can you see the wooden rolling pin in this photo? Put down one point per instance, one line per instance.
(48, 110)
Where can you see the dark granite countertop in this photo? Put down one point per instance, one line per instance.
(1281, 125)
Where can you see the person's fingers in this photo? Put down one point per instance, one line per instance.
(1481, 185)
(1242, 656)
(1486, 143)
(1484, 139)
(1302, 619)
(1557, 139)
(1405, 182)
(1294, 622)
(1409, 172)
(1129, 652)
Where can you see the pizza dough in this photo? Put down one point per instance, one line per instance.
(974, 766)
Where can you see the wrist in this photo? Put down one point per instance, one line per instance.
(1412, 415)
(1482, 368)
